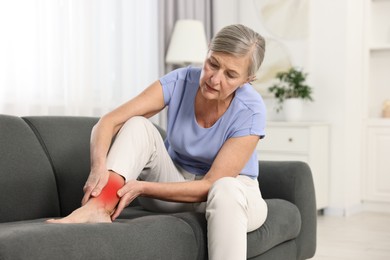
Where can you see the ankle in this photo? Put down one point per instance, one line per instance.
(108, 199)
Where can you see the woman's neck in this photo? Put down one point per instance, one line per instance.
(207, 112)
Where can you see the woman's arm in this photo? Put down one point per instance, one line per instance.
(147, 104)
(230, 160)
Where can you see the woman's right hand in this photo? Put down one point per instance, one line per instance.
(96, 181)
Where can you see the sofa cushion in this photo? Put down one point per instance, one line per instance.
(293, 182)
(27, 184)
(150, 237)
(283, 223)
(67, 142)
(198, 223)
(285, 251)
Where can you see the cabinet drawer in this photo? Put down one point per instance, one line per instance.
(291, 139)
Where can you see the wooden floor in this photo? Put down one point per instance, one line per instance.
(363, 236)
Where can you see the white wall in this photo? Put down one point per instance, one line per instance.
(336, 64)
(332, 54)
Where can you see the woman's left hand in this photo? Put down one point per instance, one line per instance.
(129, 192)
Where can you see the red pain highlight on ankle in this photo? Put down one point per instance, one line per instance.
(109, 192)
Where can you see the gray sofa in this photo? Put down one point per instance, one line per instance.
(44, 163)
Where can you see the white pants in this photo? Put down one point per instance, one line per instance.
(234, 205)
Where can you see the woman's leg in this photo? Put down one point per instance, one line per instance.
(97, 209)
(138, 152)
(234, 207)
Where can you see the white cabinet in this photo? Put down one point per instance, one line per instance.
(377, 55)
(377, 179)
(307, 142)
(376, 155)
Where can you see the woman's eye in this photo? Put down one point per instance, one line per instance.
(230, 75)
(212, 64)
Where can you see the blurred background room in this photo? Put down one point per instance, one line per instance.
(85, 57)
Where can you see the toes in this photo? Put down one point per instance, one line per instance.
(52, 220)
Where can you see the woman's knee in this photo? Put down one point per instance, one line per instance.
(137, 125)
(136, 121)
(226, 191)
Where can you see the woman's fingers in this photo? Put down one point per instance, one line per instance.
(102, 182)
(129, 192)
(87, 195)
(94, 185)
(123, 203)
(88, 187)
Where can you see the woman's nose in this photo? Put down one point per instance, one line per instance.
(216, 77)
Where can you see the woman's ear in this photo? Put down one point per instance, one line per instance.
(251, 78)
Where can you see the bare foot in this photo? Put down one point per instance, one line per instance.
(85, 214)
(97, 209)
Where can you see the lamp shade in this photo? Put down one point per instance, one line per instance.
(188, 43)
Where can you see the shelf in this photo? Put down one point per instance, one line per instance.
(380, 23)
(297, 123)
(378, 82)
(384, 47)
(378, 122)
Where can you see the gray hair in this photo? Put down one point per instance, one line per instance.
(239, 40)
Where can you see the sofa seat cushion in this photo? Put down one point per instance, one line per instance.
(149, 237)
(283, 223)
(197, 221)
(136, 212)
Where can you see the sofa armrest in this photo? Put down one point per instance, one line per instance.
(293, 181)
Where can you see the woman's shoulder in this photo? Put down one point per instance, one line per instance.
(188, 74)
(248, 97)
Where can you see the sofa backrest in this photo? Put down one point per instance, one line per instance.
(27, 183)
(44, 164)
(66, 141)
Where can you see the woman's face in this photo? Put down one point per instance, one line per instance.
(222, 74)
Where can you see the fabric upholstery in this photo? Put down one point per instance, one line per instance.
(66, 141)
(44, 163)
(283, 224)
(152, 237)
(27, 185)
(285, 251)
(293, 181)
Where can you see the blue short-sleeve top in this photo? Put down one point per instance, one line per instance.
(194, 147)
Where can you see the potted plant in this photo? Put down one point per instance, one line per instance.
(290, 90)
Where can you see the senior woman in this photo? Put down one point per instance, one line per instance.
(208, 161)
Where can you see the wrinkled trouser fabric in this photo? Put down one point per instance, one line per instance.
(234, 205)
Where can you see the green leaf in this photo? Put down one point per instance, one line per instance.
(291, 84)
